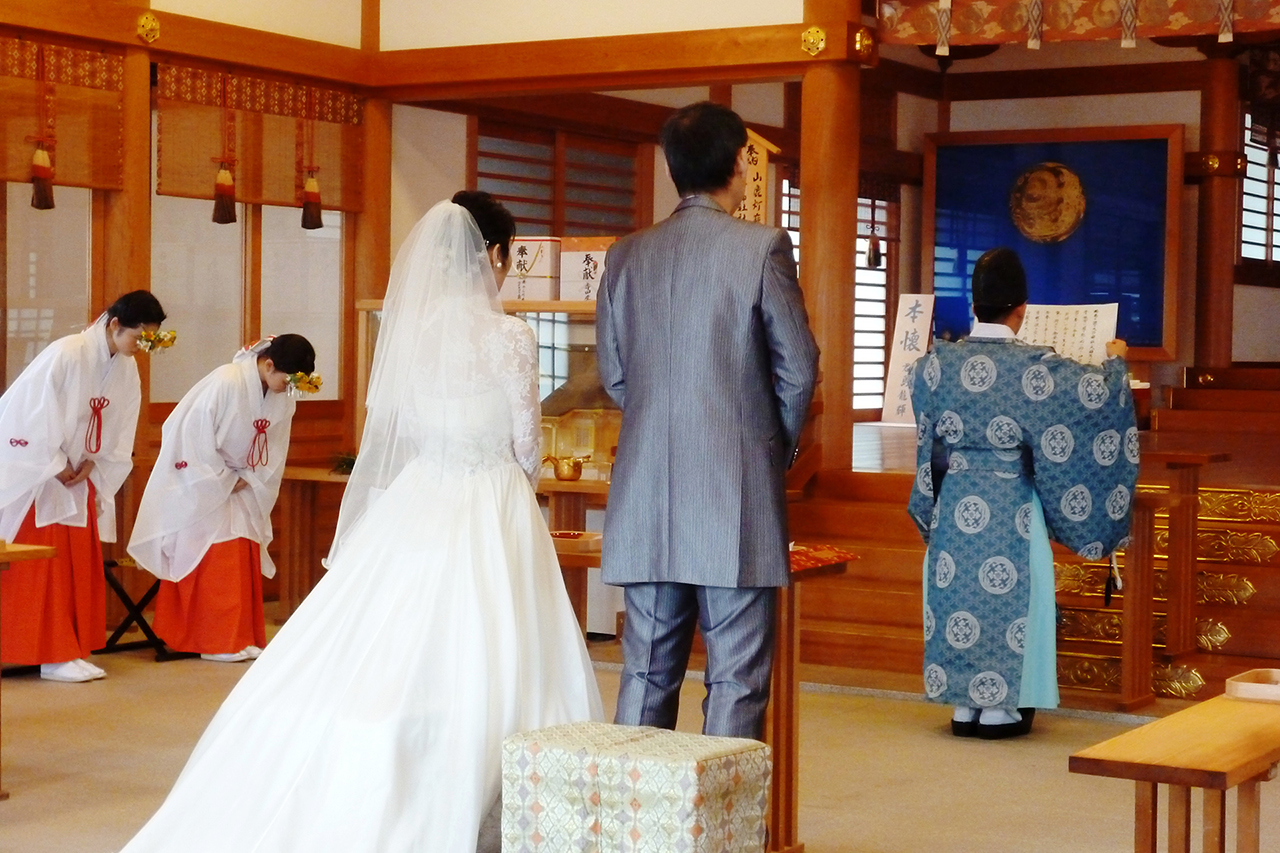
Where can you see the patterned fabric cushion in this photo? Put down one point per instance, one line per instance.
(594, 787)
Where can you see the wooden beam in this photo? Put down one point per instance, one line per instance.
(696, 57)
(590, 113)
(900, 77)
(371, 25)
(1068, 82)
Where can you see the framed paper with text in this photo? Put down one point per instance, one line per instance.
(1092, 212)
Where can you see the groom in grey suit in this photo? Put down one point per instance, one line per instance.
(704, 343)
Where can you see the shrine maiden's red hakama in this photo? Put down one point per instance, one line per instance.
(74, 402)
(206, 542)
(54, 610)
(217, 608)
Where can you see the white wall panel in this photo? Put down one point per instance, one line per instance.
(332, 21)
(414, 24)
(428, 164)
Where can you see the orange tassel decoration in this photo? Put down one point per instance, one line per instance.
(224, 197)
(311, 204)
(41, 180)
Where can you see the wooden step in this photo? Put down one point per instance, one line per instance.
(893, 487)
(1222, 400)
(881, 522)
(1258, 378)
(1173, 419)
(852, 600)
(833, 643)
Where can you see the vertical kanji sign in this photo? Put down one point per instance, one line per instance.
(755, 206)
(911, 335)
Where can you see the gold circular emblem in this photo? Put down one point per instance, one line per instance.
(1047, 203)
(1211, 162)
(148, 27)
(813, 40)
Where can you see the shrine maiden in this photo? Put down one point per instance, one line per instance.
(1016, 445)
(205, 519)
(66, 446)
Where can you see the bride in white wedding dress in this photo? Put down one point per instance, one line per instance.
(374, 720)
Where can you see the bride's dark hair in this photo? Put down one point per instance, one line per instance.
(496, 223)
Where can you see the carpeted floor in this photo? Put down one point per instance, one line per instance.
(86, 764)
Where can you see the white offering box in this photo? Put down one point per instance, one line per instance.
(535, 269)
(582, 266)
(632, 789)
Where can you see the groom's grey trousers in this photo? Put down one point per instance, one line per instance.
(737, 626)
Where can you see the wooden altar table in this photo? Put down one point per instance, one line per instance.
(11, 553)
(1183, 460)
(567, 501)
(574, 562)
(1217, 745)
(782, 725)
(299, 566)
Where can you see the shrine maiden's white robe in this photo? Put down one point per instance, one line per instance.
(223, 430)
(75, 401)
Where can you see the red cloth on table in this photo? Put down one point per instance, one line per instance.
(217, 609)
(54, 610)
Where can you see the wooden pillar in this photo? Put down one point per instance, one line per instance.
(373, 222)
(126, 265)
(1219, 215)
(829, 150)
(127, 253)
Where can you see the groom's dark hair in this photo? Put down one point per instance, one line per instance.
(701, 143)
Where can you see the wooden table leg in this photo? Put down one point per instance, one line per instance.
(1135, 650)
(1179, 819)
(1214, 828)
(575, 584)
(1248, 828)
(1184, 485)
(297, 502)
(1145, 815)
(567, 510)
(783, 726)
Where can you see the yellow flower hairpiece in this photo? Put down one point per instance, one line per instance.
(157, 340)
(304, 383)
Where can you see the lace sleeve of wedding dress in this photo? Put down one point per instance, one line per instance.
(520, 381)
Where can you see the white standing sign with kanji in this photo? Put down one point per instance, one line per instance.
(911, 335)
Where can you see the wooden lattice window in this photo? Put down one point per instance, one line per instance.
(877, 218)
(558, 183)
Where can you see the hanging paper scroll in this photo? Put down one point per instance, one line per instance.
(755, 205)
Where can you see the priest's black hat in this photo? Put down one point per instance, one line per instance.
(999, 280)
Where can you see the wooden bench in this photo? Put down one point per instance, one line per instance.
(1218, 745)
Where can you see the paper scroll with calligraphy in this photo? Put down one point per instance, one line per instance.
(1080, 332)
(755, 206)
(911, 332)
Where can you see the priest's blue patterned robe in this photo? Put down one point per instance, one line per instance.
(1015, 444)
